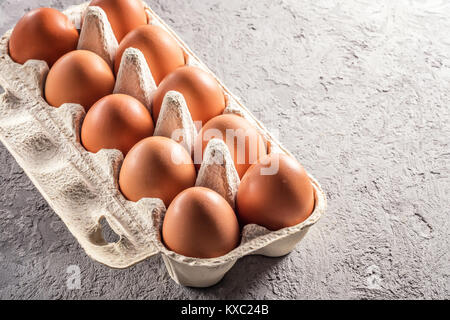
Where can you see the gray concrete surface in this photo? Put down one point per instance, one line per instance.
(359, 91)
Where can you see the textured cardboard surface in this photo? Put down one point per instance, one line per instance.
(311, 67)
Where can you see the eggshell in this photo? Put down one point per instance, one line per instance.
(81, 77)
(116, 121)
(161, 51)
(204, 96)
(123, 15)
(199, 223)
(275, 193)
(42, 34)
(156, 167)
(245, 143)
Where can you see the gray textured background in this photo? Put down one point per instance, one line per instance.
(360, 93)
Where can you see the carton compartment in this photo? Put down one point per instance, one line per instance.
(82, 187)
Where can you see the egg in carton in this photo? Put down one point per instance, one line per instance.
(82, 187)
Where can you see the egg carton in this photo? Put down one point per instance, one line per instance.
(82, 187)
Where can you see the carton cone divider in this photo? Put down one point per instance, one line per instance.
(175, 121)
(97, 35)
(135, 78)
(218, 171)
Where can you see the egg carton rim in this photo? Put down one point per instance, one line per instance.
(240, 251)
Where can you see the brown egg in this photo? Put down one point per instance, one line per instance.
(204, 97)
(275, 193)
(123, 15)
(79, 77)
(156, 167)
(162, 52)
(245, 143)
(201, 224)
(116, 121)
(42, 34)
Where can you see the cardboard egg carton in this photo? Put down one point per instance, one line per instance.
(82, 187)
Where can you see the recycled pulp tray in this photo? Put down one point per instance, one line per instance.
(82, 188)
